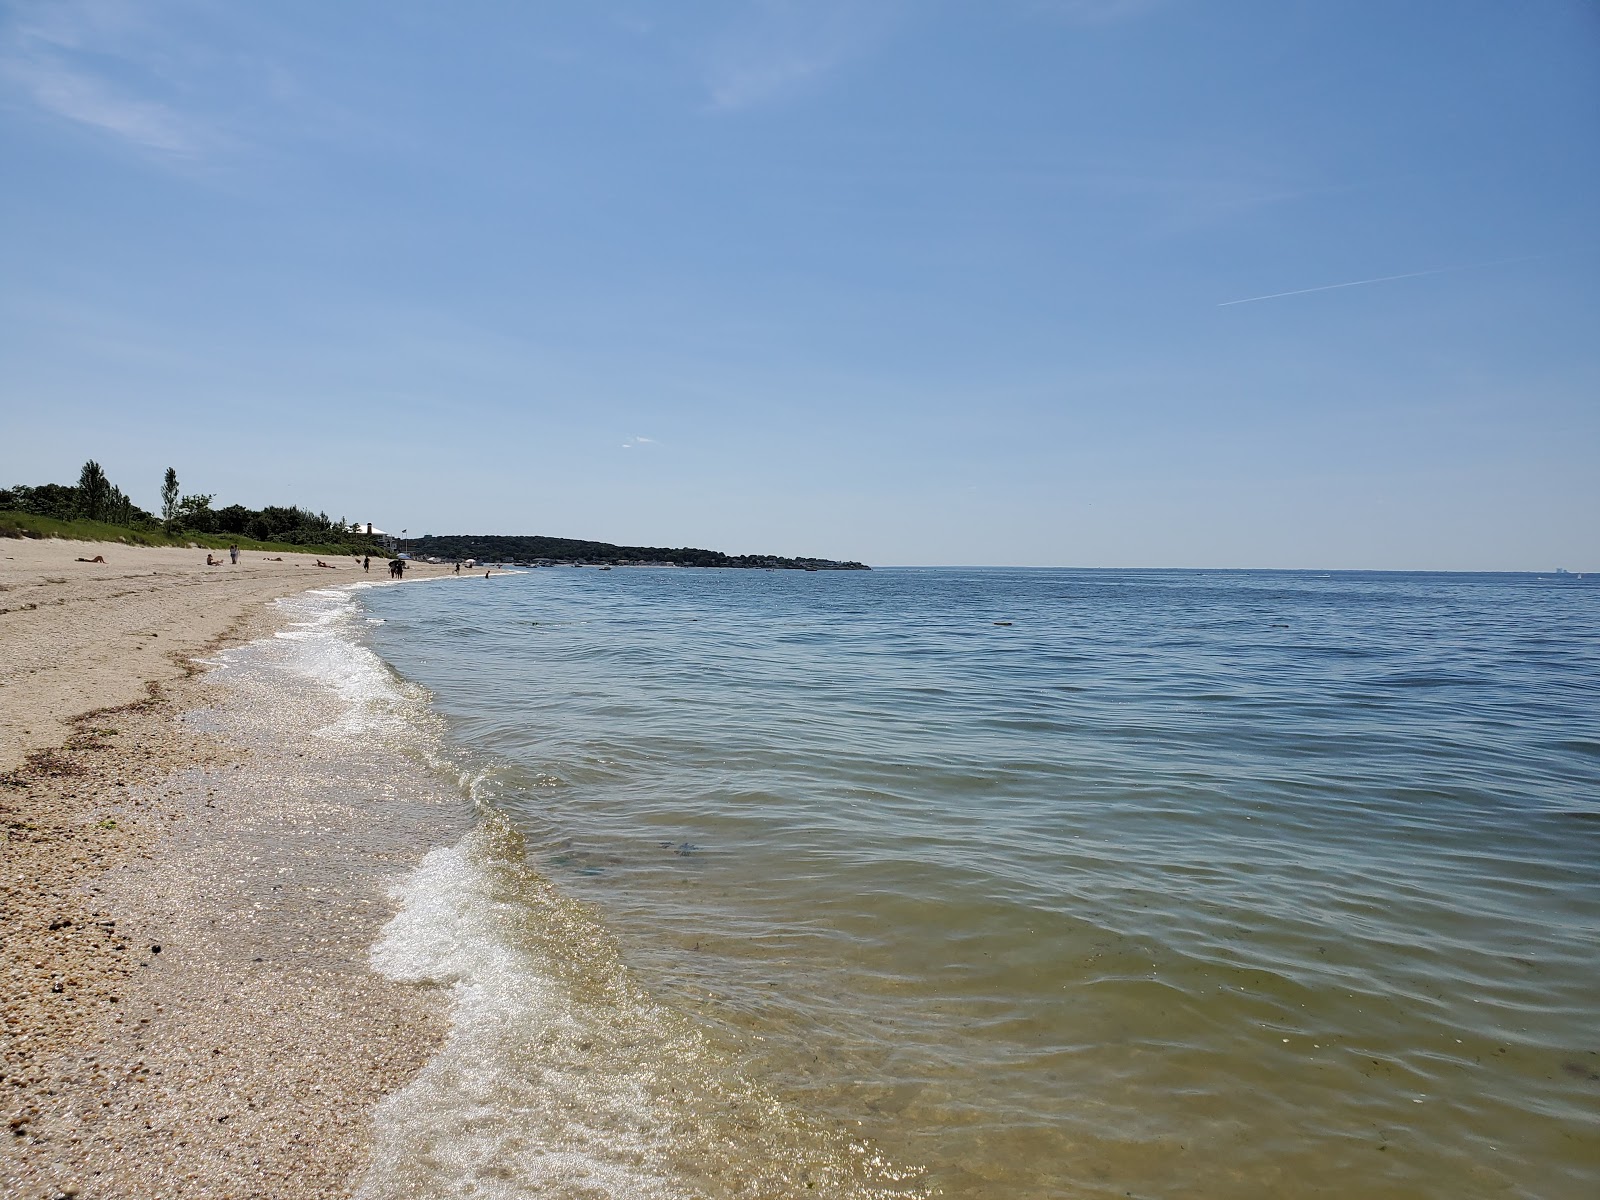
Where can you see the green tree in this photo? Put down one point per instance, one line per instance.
(169, 495)
(94, 492)
(194, 512)
(119, 509)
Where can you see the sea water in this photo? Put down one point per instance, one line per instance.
(1002, 884)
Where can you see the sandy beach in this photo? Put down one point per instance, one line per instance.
(185, 911)
(80, 636)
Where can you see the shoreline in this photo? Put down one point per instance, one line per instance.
(242, 1057)
(82, 636)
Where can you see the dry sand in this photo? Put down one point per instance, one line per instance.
(77, 636)
(242, 1057)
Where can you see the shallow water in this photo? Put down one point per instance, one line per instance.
(1216, 884)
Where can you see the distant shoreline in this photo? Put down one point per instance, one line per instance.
(531, 550)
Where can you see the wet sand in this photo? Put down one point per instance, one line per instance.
(188, 893)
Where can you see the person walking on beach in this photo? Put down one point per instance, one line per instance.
(366, 563)
(233, 553)
(458, 566)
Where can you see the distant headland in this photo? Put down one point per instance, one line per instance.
(95, 509)
(553, 551)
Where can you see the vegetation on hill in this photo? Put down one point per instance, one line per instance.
(529, 549)
(29, 525)
(95, 509)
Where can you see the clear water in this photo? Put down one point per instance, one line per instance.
(1191, 884)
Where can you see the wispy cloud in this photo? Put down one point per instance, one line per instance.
(780, 46)
(96, 63)
(1331, 287)
(88, 100)
(638, 441)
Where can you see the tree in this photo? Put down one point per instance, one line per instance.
(119, 509)
(94, 491)
(56, 500)
(233, 519)
(194, 512)
(169, 495)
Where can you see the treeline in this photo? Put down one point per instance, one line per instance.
(96, 498)
(533, 549)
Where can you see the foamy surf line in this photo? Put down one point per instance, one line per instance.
(559, 1075)
(249, 1042)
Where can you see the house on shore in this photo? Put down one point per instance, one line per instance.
(387, 540)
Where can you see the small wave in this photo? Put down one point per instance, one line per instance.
(324, 649)
(560, 1076)
(1587, 747)
(1432, 679)
(1151, 866)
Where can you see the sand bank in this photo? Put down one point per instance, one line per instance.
(77, 636)
(185, 907)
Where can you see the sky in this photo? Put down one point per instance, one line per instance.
(1208, 283)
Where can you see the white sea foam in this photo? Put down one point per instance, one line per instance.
(327, 652)
(559, 1075)
(527, 1095)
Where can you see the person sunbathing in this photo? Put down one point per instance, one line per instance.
(99, 558)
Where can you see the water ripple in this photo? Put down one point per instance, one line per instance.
(1198, 883)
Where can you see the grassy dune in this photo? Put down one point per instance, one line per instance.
(26, 525)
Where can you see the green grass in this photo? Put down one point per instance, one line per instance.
(26, 525)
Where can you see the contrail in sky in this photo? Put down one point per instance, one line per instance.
(1328, 287)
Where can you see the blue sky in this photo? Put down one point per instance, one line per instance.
(938, 282)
